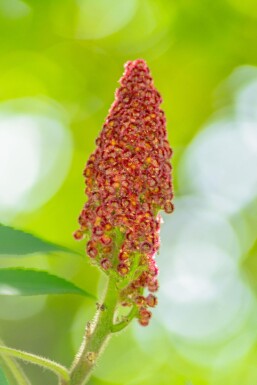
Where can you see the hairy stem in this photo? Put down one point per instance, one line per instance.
(62, 381)
(13, 370)
(58, 369)
(95, 340)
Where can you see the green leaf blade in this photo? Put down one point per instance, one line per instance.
(28, 282)
(17, 242)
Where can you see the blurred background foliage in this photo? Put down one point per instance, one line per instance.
(59, 65)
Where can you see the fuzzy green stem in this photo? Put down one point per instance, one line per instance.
(62, 381)
(95, 340)
(58, 369)
(123, 324)
(13, 370)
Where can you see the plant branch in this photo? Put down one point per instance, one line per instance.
(13, 370)
(121, 325)
(58, 369)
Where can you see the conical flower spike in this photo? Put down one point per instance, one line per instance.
(128, 181)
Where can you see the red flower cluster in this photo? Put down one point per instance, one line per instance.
(128, 180)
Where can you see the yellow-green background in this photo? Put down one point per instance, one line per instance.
(60, 61)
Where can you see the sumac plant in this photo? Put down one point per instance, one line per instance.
(128, 182)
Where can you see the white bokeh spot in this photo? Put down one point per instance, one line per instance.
(18, 158)
(35, 154)
(221, 163)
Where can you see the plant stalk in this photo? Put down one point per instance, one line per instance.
(95, 340)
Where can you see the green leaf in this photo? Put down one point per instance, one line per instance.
(17, 242)
(3, 379)
(19, 281)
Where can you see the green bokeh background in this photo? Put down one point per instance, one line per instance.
(60, 61)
